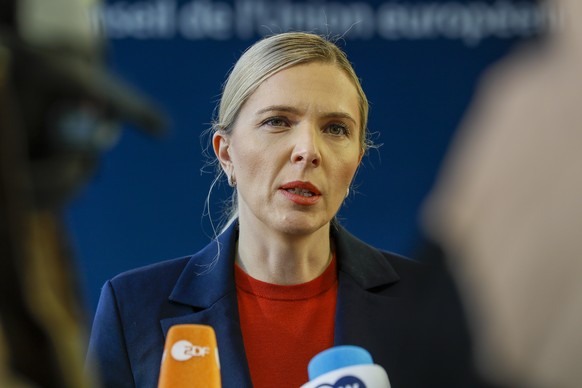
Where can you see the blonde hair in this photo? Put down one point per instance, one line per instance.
(267, 57)
(273, 54)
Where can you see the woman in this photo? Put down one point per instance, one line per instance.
(283, 281)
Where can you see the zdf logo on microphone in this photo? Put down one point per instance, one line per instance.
(184, 350)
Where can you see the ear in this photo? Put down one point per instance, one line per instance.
(221, 144)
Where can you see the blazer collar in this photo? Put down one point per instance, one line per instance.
(209, 274)
(366, 265)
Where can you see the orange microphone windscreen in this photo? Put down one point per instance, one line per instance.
(190, 358)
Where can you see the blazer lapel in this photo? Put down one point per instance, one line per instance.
(363, 317)
(207, 285)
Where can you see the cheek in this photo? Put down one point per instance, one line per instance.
(259, 155)
(347, 169)
(252, 163)
(247, 164)
(342, 178)
(242, 152)
(348, 173)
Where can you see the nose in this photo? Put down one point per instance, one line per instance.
(306, 149)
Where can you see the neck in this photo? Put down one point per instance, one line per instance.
(280, 258)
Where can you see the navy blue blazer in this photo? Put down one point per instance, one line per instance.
(386, 304)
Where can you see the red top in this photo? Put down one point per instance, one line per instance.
(285, 326)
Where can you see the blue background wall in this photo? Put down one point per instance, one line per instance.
(419, 62)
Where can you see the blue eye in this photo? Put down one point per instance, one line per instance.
(338, 129)
(276, 122)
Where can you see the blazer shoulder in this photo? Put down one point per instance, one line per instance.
(149, 284)
(156, 271)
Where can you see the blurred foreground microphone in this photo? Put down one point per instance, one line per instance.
(190, 358)
(59, 102)
(345, 366)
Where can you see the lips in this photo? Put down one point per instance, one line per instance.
(301, 193)
(299, 187)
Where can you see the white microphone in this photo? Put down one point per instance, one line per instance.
(190, 358)
(345, 366)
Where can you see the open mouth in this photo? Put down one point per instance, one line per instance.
(302, 192)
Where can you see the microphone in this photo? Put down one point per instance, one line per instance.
(190, 358)
(345, 366)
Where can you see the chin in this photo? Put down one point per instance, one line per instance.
(302, 225)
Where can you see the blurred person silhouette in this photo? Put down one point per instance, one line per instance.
(58, 111)
(507, 211)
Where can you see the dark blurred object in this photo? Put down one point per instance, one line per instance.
(59, 109)
(66, 102)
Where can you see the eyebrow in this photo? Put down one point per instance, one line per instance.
(278, 108)
(290, 109)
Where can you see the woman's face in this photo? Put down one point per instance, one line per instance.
(294, 149)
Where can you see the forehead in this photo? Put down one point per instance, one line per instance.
(318, 86)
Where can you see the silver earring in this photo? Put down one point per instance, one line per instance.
(231, 180)
(348, 192)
